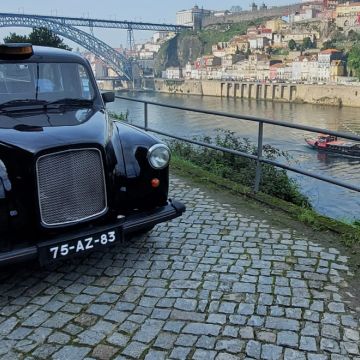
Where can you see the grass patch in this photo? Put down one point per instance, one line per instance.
(349, 232)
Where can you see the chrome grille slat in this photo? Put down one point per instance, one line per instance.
(71, 186)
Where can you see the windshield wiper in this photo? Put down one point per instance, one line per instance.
(22, 102)
(70, 102)
(43, 103)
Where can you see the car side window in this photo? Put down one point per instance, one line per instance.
(86, 89)
(76, 81)
(16, 78)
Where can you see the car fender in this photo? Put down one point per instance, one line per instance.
(139, 144)
(5, 184)
(5, 188)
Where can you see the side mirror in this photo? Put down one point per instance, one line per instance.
(108, 96)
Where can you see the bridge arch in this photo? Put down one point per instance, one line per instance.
(111, 57)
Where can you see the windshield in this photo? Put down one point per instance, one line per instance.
(44, 82)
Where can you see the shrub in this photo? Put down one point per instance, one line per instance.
(274, 181)
(120, 117)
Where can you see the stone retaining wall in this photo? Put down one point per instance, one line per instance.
(338, 95)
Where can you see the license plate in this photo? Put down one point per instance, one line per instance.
(62, 250)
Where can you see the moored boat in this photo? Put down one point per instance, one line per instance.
(330, 143)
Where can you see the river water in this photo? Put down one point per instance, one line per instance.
(327, 199)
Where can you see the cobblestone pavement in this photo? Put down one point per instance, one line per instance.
(212, 284)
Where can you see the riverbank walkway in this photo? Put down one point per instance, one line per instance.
(213, 284)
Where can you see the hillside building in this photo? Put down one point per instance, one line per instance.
(229, 60)
(274, 73)
(304, 15)
(298, 37)
(337, 69)
(348, 15)
(172, 73)
(305, 68)
(276, 25)
(325, 59)
(219, 51)
(258, 42)
(241, 42)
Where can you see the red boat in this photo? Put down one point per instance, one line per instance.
(330, 143)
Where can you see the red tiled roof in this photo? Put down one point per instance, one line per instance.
(278, 65)
(329, 51)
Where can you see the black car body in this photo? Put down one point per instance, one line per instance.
(71, 179)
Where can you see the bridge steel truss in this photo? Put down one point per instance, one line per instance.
(115, 60)
(91, 23)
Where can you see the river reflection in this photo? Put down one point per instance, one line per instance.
(327, 199)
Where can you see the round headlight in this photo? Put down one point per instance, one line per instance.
(158, 156)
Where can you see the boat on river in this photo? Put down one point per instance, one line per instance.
(331, 144)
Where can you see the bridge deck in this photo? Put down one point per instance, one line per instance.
(215, 283)
(102, 23)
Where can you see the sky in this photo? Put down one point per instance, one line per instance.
(159, 11)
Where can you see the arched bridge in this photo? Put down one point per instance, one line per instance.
(66, 27)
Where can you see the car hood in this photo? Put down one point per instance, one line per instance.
(35, 131)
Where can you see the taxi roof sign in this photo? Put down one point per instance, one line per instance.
(15, 51)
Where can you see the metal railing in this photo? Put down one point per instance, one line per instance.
(259, 156)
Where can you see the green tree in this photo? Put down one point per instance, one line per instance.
(292, 44)
(39, 36)
(354, 60)
(307, 43)
(353, 35)
(15, 38)
(328, 44)
(45, 37)
(300, 48)
(269, 50)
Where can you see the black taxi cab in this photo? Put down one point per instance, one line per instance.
(72, 180)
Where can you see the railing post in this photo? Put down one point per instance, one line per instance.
(146, 116)
(259, 155)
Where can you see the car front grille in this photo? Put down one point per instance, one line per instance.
(71, 186)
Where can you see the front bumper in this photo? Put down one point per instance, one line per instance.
(127, 225)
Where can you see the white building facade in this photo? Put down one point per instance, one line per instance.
(191, 16)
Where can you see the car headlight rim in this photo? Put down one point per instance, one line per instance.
(153, 156)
